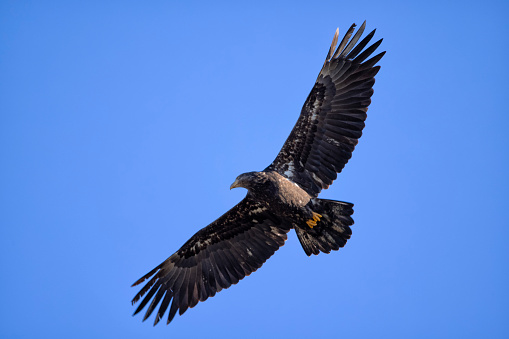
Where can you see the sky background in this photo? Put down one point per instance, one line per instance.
(123, 124)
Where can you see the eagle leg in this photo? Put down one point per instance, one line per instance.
(316, 218)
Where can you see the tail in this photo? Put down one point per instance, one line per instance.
(333, 229)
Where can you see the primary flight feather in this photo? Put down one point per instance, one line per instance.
(281, 197)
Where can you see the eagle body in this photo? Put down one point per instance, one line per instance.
(283, 196)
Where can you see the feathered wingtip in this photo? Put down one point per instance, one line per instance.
(346, 49)
(333, 45)
(147, 286)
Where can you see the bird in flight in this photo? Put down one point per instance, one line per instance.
(284, 195)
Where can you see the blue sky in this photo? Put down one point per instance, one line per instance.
(123, 124)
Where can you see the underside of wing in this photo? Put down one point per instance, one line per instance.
(217, 256)
(332, 118)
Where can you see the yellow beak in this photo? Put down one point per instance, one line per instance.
(235, 184)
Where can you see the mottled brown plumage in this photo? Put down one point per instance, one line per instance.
(283, 196)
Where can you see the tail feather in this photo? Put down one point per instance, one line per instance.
(333, 229)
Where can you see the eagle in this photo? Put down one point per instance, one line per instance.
(284, 195)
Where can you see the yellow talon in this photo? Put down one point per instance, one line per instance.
(316, 218)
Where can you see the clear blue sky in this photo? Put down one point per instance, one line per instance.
(123, 125)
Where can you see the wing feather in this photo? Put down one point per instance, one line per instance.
(173, 311)
(216, 257)
(163, 307)
(332, 118)
(344, 41)
(354, 40)
(360, 46)
(154, 302)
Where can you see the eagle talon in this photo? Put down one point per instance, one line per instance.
(316, 218)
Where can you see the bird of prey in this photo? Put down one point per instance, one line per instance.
(284, 195)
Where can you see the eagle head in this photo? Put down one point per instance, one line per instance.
(249, 180)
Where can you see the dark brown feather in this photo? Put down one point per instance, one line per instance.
(332, 116)
(216, 257)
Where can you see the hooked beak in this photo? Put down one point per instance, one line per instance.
(235, 184)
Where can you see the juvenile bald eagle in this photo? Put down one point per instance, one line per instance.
(281, 197)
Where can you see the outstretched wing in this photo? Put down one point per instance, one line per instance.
(217, 256)
(332, 118)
